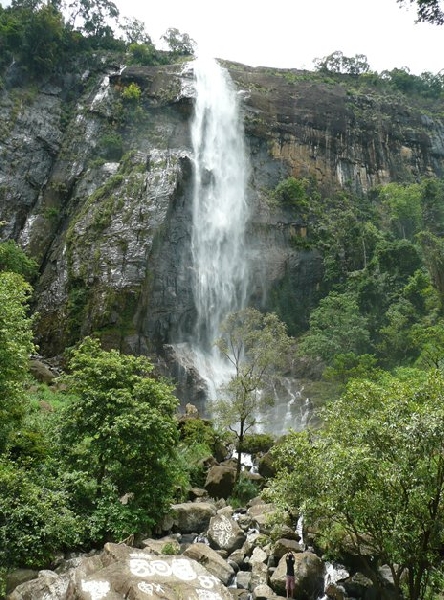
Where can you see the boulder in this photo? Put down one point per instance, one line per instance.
(225, 534)
(220, 481)
(284, 545)
(166, 545)
(192, 517)
(46, 586)
(243, 579)
(211, 560)
(259, 575)
(309, 573)
(19, 576)
(137, 575)
(262, 592)
(260, 514)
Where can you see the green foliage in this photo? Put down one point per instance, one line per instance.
(170, 549)
(430, 342)
(146, 54)
(402, 207)
(12, 258)
(244, 490)
(132, 93)
(254, 443)
(135, 32)
(94, 16)
(180, 44)
(336, 327)
(35, 520)
(16, 344)
(192, 459)
(293, 193)
(121, 433)
(374, 474)
(257, 346)
(199, 431)
(111, 145)
(338, 63)
(351, 366)
(428, 11)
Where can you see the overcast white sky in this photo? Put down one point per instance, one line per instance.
(291, 33)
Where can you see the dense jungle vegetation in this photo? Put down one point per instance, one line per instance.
(99, 455)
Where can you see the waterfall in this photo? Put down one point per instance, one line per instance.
(219, 213)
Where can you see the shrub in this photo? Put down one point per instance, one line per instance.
(257, 442)
(132, 93)
(243, 491)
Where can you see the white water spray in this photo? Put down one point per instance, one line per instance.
(219, 213)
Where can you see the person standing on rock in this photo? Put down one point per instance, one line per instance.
(289, 585)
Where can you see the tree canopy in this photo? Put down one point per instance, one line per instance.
(16, 344)
(257, 346)
(371, 479)
(429, 11)
(121, 434)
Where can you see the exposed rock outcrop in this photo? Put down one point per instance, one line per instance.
(99, 191)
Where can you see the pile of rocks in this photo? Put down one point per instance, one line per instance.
(205, 551)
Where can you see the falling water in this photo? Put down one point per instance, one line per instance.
(219, 211)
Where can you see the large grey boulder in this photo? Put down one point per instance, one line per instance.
(192, 517)
(135, 574)
(211, 560)
(309, 573)
(47, 586)
(220, 481)
(225, 534)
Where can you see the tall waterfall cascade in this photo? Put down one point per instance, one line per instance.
(219, 251)
(220, 214)
(219, 207)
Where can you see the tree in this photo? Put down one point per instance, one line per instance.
(94, 16)
(121, 435)
(257, 346)
(135, 32)
(371, 481)
(428, 11)
(336, 327)
(16, 344)
(402, 205)
(180, 44)
(338, 63)
(12, 258)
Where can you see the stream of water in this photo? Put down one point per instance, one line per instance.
(220, 266)
(219, 215)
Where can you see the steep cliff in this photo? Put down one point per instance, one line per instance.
(97, 186)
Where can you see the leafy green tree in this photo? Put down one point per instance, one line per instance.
(36, 522)
(372, 478)
(121, 434)
(293, 193)
(336, 327)
(92, 16)
(338, 63)
(433, 252)
(402, 204)
(432, 203)
(396, 343)
(16, 344)
(12, 258)
(180, 44)
(428, 11)
(257, 346)
(351, 366)
(430, 342)
(135, 32)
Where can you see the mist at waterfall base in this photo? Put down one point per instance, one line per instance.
(218, 243)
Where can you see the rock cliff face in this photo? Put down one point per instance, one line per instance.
(98, 188)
